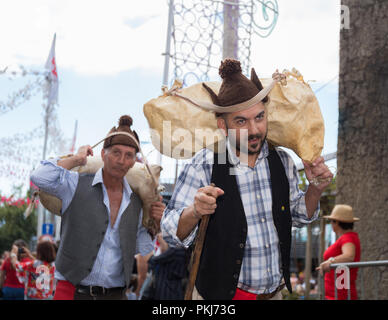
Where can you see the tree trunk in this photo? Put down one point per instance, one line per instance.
(363, 132)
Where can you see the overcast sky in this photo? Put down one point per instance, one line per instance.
(109, 58)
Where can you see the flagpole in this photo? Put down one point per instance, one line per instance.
(50, 63)
(167, 56)
(42, 212)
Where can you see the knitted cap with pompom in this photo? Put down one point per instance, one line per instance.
(235, 88)
(125, 123)
(229, 67)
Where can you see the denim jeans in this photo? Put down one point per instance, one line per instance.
(13, 293)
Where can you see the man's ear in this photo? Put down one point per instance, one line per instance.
(221, 124)
(102, 153)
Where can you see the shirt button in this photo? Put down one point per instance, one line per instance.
(241, 245)
(267, 245)
(258, 196)
(268, 270)
(238, 261)
(262, 220)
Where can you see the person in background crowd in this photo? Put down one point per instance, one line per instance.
(294, 281)
(347, 248)
(38, 273)
(131, 291)
(4, 256)
(168, 272)
(300, 285)
(12, 288)
(142, 272)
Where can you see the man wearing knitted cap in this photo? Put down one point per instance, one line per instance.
(101, 229)
(250, 190)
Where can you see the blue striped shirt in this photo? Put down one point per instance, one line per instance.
(260, 270)
(108, 270)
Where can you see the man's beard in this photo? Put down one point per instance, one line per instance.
(246, 149)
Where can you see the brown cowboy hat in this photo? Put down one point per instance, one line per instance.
(342, 213)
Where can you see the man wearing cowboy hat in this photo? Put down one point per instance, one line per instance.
(101, 229)
(347, 248)
(254, 202)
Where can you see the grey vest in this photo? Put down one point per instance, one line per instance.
(83, 228)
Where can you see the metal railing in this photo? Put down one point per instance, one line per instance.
(361, 265)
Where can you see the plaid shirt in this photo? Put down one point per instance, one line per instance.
(260, 270)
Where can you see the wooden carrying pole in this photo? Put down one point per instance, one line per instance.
(196, 256)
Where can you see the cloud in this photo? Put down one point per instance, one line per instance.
(306, 37)
(96, 37)
(93, 37)
(137, 21)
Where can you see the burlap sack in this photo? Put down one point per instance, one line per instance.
(294, 120)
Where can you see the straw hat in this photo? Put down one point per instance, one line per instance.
(342, 213)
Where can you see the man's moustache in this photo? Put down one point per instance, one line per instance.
(255, 136)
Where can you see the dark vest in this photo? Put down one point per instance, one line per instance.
(226, 235)
(83, 228)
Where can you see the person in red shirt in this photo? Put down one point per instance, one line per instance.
(37, 274)
(12, 288)
(347, 248)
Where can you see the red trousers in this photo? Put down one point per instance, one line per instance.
(64, 290)
(244, 295)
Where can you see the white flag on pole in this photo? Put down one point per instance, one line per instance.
(51, 65)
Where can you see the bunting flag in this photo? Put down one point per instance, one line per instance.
(51, 65)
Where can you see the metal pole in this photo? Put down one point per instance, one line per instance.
(167, 55)
(168, 42)
(321, 280)
(307, 270)
(362, 283)
(348, 283)
(230, 40)
(41, 211)
(176, 172)
(376, 284)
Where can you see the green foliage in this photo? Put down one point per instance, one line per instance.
(328, 197)
(14, 226)
(289, 296)
(303, 181)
